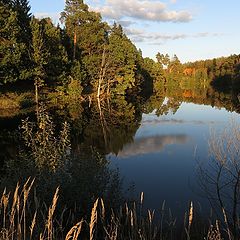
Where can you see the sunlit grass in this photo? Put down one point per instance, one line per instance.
(23, 217)
(15, 101)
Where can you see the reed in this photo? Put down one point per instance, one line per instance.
(50, 215)
(190, 220)
(214, 232)
(23, 217)
(75, 231)
(93, 221)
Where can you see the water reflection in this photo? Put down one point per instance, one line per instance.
(157, 138)
(146, 145)
(44, 152)
(148, 122)
(162, 159)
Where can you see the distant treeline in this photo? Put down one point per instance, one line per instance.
(87, 55)
(223, 72)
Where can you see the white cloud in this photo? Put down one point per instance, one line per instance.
(139, 35)
(143, 10)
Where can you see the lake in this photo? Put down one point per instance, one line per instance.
(163, 159)
(122, 150)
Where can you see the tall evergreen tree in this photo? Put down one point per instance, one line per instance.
(175, 72)
(155, 70)
(56, 67)
(164, 60)
(123, 60)
(40, 56)
(11, 48)
(15, 36)
(73, 16)
(22, 8)
(88, 34)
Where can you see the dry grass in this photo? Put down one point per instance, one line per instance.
(214, 232)
(9, 101)
(21, 217)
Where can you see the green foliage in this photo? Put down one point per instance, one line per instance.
(15, 101)
(162, 59)
(156, 72)
(40, 54)
(74, 14)
(122, 62)
(10, 48)
(48, 54)
(78, 72)
(46, 149)
(57, 62)
(88, 35)
(175, 68)
(74, 89)
(101, 58)
(22, 8)
(15, 62)
(223, 73)
(92, 45)
(106, 63)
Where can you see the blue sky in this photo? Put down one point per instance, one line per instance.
(190, 29)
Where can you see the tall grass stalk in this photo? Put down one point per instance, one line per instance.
(190, 220)
(22, 217)
(93, 221)
(50, 215)
(74, 232)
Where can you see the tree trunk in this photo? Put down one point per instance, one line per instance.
(74, 44)
(102, 72)
(36, 97)
(103, 124)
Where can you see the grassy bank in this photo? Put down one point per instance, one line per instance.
(15, 101)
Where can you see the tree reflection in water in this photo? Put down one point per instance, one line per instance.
(79, 169)
(96, 130)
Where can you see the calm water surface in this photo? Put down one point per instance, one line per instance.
(157, 155)
(163, 159)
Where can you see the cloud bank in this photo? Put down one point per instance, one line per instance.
(140, 35)
(142, 10)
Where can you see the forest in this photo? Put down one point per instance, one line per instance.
(84, 56)
(75, 93)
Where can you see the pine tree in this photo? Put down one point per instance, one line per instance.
(56, 68)
(89, 37)
(22, 8)
(40, 56)
(11, 48)
(73, 16)
(175, 72)
(15, 36)
(164, 60)
(123, 60)
(155, 70)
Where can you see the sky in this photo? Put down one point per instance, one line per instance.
(191, 29)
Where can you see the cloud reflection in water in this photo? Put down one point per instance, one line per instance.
(148, 122)
(146, 145)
